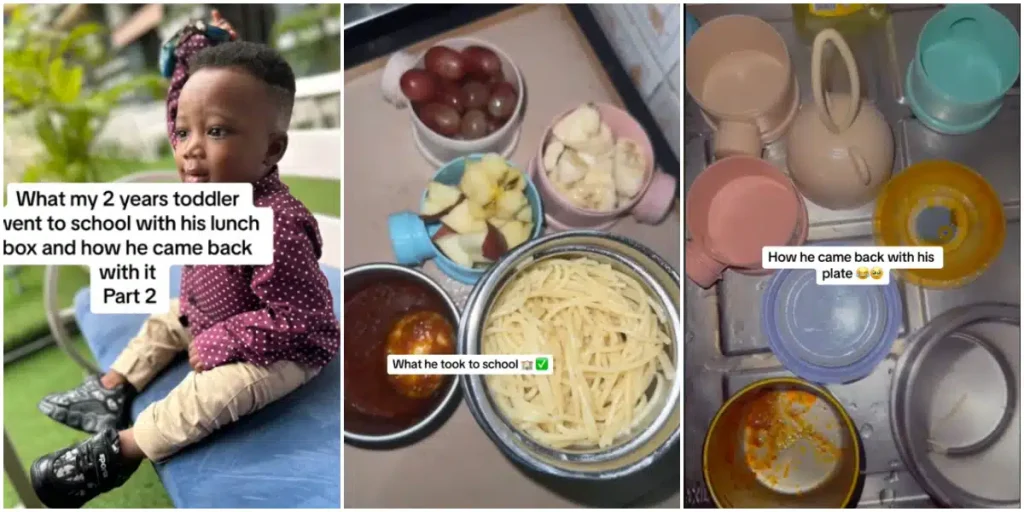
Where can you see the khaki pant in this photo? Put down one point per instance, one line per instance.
(202, 402)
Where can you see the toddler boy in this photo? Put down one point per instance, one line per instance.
(253, 334)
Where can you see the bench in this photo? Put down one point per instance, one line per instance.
(284, 456)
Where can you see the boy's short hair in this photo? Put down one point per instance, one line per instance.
(260, 61)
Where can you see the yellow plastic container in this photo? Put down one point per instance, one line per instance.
(946, 204)
(849, 19)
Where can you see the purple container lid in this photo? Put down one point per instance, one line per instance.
(829, 334)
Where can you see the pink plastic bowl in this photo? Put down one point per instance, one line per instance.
(737, 206)
(650, 206)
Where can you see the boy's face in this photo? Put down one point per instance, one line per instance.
(225, 128)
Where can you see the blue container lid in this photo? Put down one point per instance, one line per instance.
(409, 238)
(829, 334)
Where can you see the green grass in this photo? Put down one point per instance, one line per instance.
(24, 319)
(33, 434)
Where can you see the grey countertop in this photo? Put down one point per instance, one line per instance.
(724, 347)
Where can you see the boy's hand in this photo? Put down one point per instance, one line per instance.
(222, 23)
(193, 359)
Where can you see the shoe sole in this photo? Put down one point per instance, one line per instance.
(89, 422)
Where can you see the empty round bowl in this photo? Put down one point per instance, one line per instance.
(967, 58)
(436, 148)
(829, 334)
(376, 415)
(734, 209)
(782, 443)
(942, 203)
(411, 235)
(955, 406)
(650, 205)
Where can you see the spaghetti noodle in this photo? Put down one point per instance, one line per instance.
(608, 339)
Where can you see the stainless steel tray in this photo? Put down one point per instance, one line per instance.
(724, 347)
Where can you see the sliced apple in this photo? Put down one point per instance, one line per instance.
(483, 246)
(440, 200)
(490, 214)
(525, 214)
(473, 245)
(513, 180)
(527, 230)
(494, 245)
(478, 212)
(451, 246)
(477, 185)
(494, 165)
(460, 219)
(509, 204)
(443, 232)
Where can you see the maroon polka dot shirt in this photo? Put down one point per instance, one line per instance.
(260, 314)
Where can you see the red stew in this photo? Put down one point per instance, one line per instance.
(372, 404)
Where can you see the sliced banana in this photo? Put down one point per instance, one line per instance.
(551, 154)
(603, 141)
(630, 167)
(579, 126)
(588, 166)
(571, 168)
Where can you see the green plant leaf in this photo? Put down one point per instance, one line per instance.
(46, 132)
(71, 85)
(79, 36)
(76, 172)
(32, 174)
(45, 75)
(56, 74)
(110, 96)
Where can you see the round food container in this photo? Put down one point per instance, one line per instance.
(782, 443)
(376, 414)
(967, 58)
(414, 238)
(435, 147)
(829, 334)
(739, 71)
(734, 209)
(942, 203)
(955, 406)
(648, 434)
(654, 195)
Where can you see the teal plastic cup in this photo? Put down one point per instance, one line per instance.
(967, 58)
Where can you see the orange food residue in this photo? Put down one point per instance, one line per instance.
(775, 422)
